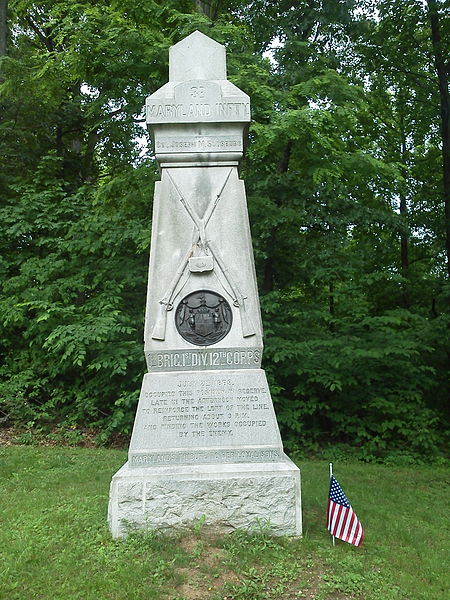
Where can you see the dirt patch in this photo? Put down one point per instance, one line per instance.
(207, 574)
(198, 585)
(305, 587)
(7, 436)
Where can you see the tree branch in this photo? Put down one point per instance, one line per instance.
(45, 40)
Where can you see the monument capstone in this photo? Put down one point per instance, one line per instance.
(205, 443)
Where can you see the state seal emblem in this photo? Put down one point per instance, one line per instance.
(203, 318)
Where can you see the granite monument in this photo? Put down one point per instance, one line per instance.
(205, 443)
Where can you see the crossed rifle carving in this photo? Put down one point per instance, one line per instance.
(211, 257)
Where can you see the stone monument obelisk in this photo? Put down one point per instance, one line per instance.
(205, 443)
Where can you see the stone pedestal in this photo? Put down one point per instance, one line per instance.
(205, 443)
(224, 497)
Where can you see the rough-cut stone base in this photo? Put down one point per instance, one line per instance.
(224, 497)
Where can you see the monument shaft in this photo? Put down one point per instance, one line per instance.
(205, 442)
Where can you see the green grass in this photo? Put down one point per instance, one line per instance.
(54, 543)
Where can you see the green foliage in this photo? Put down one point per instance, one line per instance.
(357, 378)
(345, 198)
(74, 298)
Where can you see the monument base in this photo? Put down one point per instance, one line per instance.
(224, 497)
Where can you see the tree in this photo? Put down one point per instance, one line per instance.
(75, 197)
(441, 51)
(3, 26)
(344, 186)
(347, 359)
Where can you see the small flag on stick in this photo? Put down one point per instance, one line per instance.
(342, 521)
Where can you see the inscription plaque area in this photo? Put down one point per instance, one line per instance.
(205, 442)
(197, 143)
(204, 358)
(211, 416)
(203, 318)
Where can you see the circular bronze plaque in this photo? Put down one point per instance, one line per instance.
(203, 318)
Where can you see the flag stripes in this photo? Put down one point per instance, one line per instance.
(342, 522)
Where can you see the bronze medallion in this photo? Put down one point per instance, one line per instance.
(203, 318)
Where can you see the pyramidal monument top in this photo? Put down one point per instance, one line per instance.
(197, 57)
(198, 90)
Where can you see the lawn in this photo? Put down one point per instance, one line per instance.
(54, 543)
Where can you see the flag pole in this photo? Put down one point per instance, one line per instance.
(331, 475)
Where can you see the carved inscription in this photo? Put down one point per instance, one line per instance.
(197, 143)
(193, 413)
(182, 112)
(195, 101)
(206, 457)
(231, 358)
(202, 408)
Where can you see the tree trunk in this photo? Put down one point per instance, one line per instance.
(331, 305)
(269, 281)
(444, 96)
(403, 205)
(404, 229)
(203, 7)
(3, 33)
(3, 26)
(210, 8)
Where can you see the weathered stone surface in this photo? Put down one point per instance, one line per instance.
(197, 56)
(193, 359)
(232, 497)
(191, 417)
(228, 234)
(205, 443)
(130, 497)
(197, 90)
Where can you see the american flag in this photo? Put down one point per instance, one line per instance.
(342, 521)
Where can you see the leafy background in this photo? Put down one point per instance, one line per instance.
(347, 175)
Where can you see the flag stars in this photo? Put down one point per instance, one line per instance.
(342, 521)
